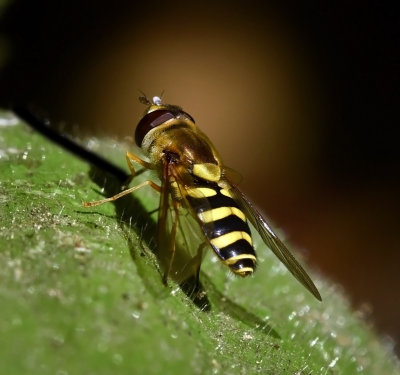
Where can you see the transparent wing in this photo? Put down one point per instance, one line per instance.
(190, 225)
(180, 238)
(274, 243)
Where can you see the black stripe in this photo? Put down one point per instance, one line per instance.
(237, 248)
(216, 201)
(242, 263)
(228, 224)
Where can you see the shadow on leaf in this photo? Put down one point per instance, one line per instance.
(130, 213)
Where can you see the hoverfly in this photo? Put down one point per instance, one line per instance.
(194, 181)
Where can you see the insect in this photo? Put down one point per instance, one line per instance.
(195, 182)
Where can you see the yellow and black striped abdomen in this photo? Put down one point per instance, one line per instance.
(225, 226)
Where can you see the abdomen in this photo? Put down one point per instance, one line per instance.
(225, 226)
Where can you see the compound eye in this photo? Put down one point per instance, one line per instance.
(188, 116)
(150, 121)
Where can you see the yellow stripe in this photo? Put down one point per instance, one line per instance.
(238, 213)
(229, 238)
(207, 171)
(220, 213)
(243, 271)
(201, 192)
(234, 259)
(226, 192)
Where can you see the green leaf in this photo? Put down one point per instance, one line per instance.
(81, 291)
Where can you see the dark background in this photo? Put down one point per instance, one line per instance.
(297, 97)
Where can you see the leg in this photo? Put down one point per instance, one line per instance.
(130, 157)
(122, 193)
(172, 244)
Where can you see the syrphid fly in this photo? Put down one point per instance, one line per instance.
(197, 195)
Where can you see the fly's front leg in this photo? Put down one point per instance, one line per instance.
(129, 157)
(122, 193)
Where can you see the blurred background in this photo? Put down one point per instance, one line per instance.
(297, 97)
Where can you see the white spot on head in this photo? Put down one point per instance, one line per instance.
(156, 100)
